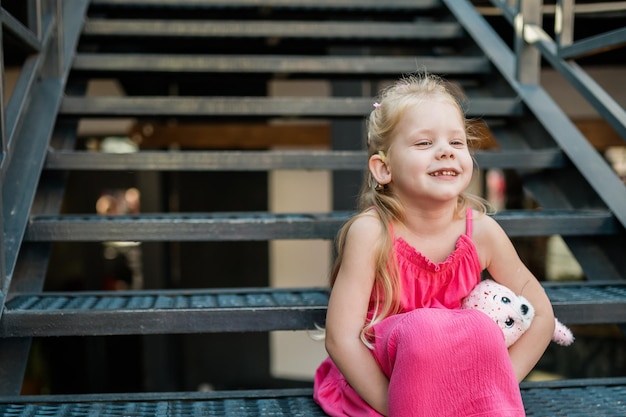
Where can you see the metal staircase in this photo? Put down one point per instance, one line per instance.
(208, 61)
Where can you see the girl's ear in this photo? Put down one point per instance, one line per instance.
(379, 168)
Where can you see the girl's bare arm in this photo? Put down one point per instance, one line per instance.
(500, 258)
(347, 311)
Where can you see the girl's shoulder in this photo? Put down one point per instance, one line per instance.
(487, 234)
(366, 223)
(362, 234)
(484, 223)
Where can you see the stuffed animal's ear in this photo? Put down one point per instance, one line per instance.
(562, 335)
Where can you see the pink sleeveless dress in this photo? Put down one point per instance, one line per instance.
(440, 360)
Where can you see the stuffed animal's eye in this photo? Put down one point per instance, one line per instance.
(509, 322)
(506, 300)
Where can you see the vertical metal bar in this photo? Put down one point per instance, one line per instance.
(564, 22)
(4, 282)
(3, 130)
(34, 22)
(59, 37)
(54, 62)
(528, 63)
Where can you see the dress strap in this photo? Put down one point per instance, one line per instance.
(468, 222)
(392, 232)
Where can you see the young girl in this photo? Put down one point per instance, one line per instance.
(398, 343)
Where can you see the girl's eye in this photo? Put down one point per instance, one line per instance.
(422, 143)
(457, 142)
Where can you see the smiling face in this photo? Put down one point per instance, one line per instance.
(429, 159)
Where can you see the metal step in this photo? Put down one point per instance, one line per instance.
(591, 302)
(254, 107)
(289, 4)
(589, 397)
(378, 31)
(240, 310)
(273, 160)
(163, 312)
(303, 64)
(253, 226)
(597, 397)
(579, 397)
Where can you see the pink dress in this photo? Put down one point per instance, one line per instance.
(440, 360)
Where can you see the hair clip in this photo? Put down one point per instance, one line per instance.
(376, 105)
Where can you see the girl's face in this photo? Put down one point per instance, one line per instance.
(428, 159)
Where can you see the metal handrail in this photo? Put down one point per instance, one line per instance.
(600, 176)
(40, 40)
(532, 40)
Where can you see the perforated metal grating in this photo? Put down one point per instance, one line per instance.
(297, 403)
(587, 292)
(576, 401)
(192, 299)
(594, 400)
(163, 312)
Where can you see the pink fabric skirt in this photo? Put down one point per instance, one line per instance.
(439, 363)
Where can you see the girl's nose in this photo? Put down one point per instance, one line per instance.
(445, 150)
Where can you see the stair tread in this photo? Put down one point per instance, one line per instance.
(228, 226)
(255, 106)
(108, 62)
(545, 399)
(418, 30)
(241, 309)
(272, 160)
(162, 312)
(301, 4)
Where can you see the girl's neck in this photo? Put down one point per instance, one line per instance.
(433, 233)
(429, 221)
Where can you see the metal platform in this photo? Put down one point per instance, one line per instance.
(602, 398)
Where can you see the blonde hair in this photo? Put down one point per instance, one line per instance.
(390, 108)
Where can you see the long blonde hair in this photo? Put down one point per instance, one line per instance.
(391, 105)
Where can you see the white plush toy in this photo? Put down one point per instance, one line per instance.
(513, 313)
